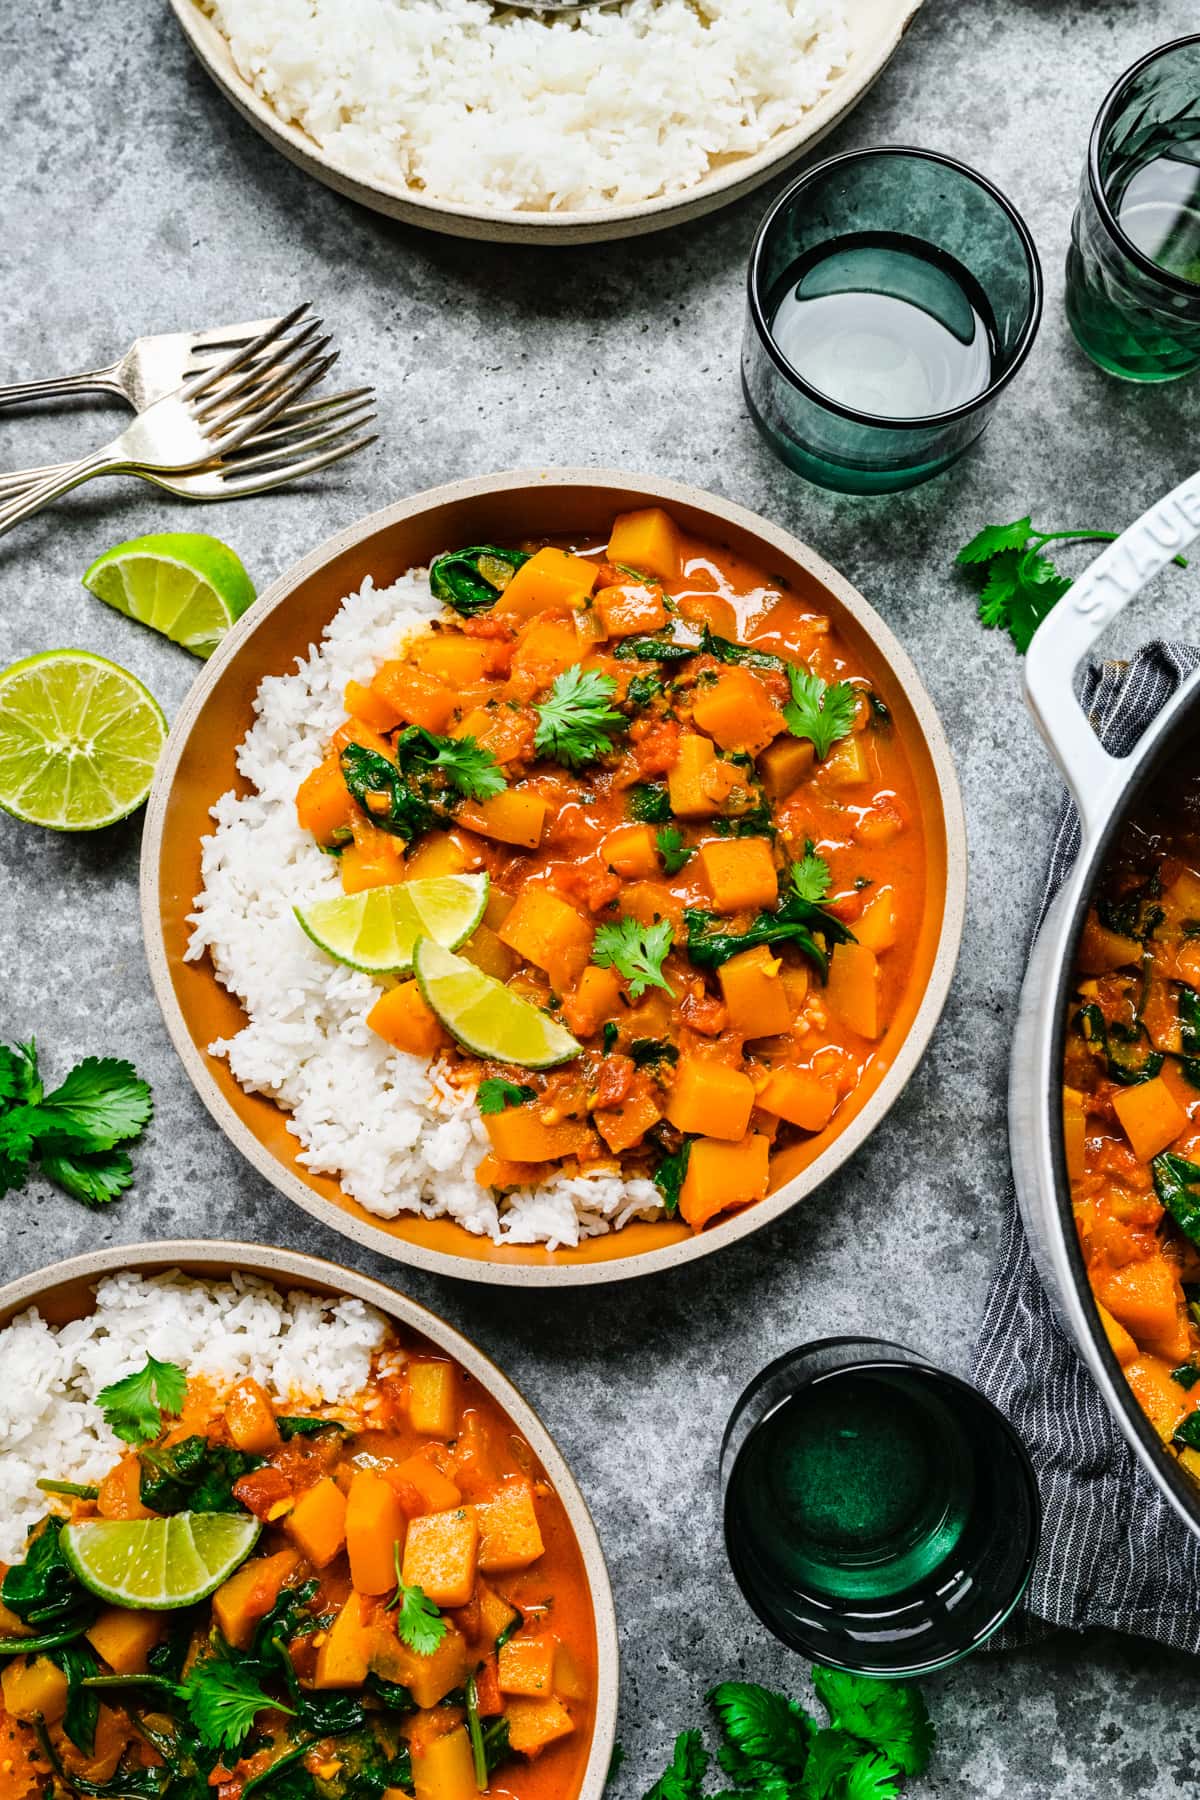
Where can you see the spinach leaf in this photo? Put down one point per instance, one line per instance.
(728, 652)
(289, 1618)
(1118, 1047)
(612, 1032)
(647, 1053)
(408, 811)
(653, 649)
(649, 802)
(42, 1590)
(1175, 1178)
(496, 1748)
(331, 1714)
(642, 689)
(397, 1699)
(294, 1425)
(1189, 1035)
(756, 823)
(472, 580)
(1187, 1432)
(77, 1661)
(1187, 1375)
(670, 1175)
(194, 1476)
(795, 921)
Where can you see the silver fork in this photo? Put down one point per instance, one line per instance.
(265, 460)
(209, 417)
(150, 368)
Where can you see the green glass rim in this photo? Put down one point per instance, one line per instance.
(1173, 284)
(880, 421)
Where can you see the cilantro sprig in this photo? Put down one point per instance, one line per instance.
(470, 768)
(419, 1623)
(576, 724)
(637, 952)
(495, 1095)
(73, 1134)
(879, 1733)
(810, 877)
(134, 1406)
(1021, 585)
(673, 853)
(224, 1697)
(821, 712)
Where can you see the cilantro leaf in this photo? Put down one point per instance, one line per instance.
(636, 952)
(684, 1779)
(873, 1778)
(576, 724)
(223, 1699)
(673, 852)
(888, 1715)
(16, 1149)
(831, 1757)
(819, 712)
(810, 878)
(994, 539)
(495, 1095)
(101, 1103)
(470, 768)
(419, 1623)
(19, 1081)
(95, 1177)
(764, 1726)
(133, 1407)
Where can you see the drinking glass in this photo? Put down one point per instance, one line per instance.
(921, 230)
(1133, 269)
(881, 1516)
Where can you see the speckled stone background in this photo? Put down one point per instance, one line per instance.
(132, 198)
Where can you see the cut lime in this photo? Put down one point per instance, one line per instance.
(79, 738)
(158, 1563)
(484, 1017)
(187, 585)
(376, 930)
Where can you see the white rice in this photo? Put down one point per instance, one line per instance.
(503, 110)
(304, 1350)
(398, 1139)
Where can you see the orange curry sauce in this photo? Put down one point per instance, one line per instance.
(438, 1480)
(759, 1052)
(1131, 1106)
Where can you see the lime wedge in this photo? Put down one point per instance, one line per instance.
(79, 738)
(158, 1563)
(376, 930)
(483, 1016)
(187, 585)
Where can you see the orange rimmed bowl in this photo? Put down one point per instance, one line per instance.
(198, 765)
(66, 1291)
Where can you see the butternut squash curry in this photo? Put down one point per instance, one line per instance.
(1131, 1108)
(407, 1611)
(702, 841)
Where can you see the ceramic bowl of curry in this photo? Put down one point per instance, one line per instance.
(491, 1436)
(758, 1063)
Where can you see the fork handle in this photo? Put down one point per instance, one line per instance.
(15, 481)
(23, 506)
(90, 382)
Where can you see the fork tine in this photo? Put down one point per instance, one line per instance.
(201, 384)
(248, 456)
(230, 337)
(257, 410)
(238, 487)
(308, 416)
(254, 374)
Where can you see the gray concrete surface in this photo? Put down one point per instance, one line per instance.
(132, 198)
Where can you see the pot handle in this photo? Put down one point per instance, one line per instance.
(1068, 633)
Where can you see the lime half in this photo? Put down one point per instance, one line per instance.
(158, 1563)
(79, 738)
(187, 585)
(484, 1017)
(376, 930)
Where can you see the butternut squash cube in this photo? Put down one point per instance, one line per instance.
(755, 997)
(783, 765)
(687, 786)
(516, 816)
(852, 991)
(317, 1522)
(401, 1016)
(486, 951)
(532, 1724)
(443, 1768)
(441, 853)
(526, 1666)
(343, 1656)
(505, 733)
(123, 1637)
(738, 712)
(250, 1418)
(1074, 1132)
(416, 698)
(1122, 1345)
(710, 1099)
(374, 859)
(551, 581)
(569, 1680)
(375, 1524)
(847, 765)
(646, 540)
(456, 661)
(437, 1491)
(596, 998)
(369, 705)
(876, 928)
(355, 732)
(631, 851)
(240, 1602)
(495, 1614)
(509, 1534)
(441, 1554)
(1151, 1117)
(33, 1689)
(1102, 952)
(721, 1175)
(323, 802)
(800, 1097)
(629, 609)
(1146, 1297)
(427, 1678)
(519, 1136)
(547, 647)
(740, 873)
(433, 1398)
(623, 1126)
(546, 930)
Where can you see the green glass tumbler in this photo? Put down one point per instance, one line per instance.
(924, 288)
(1133, 268)
(881, 1516)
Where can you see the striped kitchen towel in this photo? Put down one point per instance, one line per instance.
(1114, 1552)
